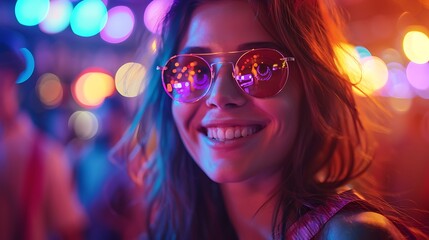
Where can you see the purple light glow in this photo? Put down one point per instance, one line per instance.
(397, 85)
(418, 75)
(154, 13)
(119, 26)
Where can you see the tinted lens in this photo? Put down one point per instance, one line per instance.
(262, 72)
(186, 78)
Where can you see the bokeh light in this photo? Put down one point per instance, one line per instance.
(155, 13)
(349, 64)
(418, 75)
(58, 17)
(400, 105)
(374, 74)
(129, 79)
(416, 46)
(363, 52)
(391, 55)
(119, 26)
(397, 85)
(84, 124)
(50, 90)
(154, 45)
(92, 87)
(29, 66)
(422, 93)
(31, 12)
(88, 18)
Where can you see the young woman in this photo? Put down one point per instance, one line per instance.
(256, 130)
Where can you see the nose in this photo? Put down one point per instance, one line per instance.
(224, 92)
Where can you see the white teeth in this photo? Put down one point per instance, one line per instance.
(244, 132)
(229, 133)
(220, 133)
(237, 133)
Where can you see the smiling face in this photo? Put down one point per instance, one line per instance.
(232, 136)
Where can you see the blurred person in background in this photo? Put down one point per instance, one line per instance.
(37, 197)
(104, 189)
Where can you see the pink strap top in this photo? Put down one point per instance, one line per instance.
(311, 223)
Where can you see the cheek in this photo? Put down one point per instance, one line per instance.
(187, 120)
(286, 118)
(286, 105)
(284, 110)
(184, 117)
(179, 115)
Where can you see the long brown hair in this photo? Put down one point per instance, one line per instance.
(332, 137)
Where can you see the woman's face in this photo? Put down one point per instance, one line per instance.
(232, 136)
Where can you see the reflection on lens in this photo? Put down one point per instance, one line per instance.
(186, 77)
(262, 72)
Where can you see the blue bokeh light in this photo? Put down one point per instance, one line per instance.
(29, 69)
(31, 12)
(88, 18)
(363, 52)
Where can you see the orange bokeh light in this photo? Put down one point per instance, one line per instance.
(92, 87)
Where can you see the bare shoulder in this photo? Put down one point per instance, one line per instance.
(359, 225)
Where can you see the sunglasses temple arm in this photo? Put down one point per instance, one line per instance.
(159, 68)
(289, 59)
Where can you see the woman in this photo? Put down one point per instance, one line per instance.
(256, 131)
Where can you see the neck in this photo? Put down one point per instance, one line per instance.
(250, 206)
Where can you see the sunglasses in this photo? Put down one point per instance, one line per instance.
(260, 73)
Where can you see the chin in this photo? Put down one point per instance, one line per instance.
(223, 177)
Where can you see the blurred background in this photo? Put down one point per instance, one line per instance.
(78, 51)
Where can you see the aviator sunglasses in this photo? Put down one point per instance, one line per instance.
(260, 73)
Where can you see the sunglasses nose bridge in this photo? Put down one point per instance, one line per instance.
(220, 64)
(216, 67)
(223, 90)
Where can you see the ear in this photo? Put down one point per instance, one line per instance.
(360, 225)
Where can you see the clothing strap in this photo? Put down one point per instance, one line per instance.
(312, 222)
(309, 225)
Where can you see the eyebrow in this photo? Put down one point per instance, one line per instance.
(195, 50)
(244, 46)
(251, 45)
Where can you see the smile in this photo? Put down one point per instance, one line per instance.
(230, 133)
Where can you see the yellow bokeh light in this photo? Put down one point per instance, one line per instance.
(374, 75)
(348, 62)
(416, 46)
(154, 46)
(92, 87)
(50, 90)
(97, 87)
(129, 79)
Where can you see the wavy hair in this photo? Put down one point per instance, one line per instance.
(330, 151)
